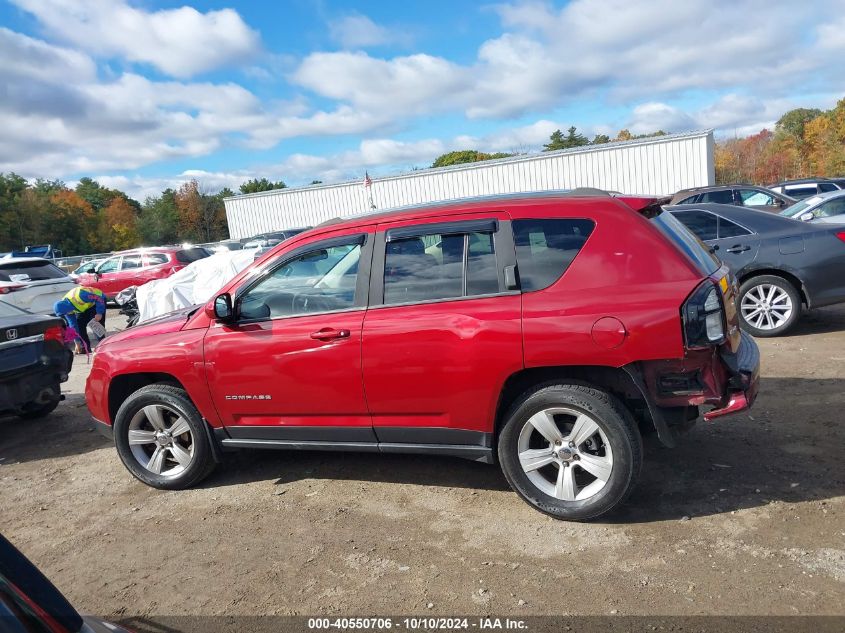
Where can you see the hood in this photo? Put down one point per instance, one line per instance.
(164, 324)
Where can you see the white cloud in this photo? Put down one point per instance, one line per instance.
(613, 50)
(180, 42)
(359, 31)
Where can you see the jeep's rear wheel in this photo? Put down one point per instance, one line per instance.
(571, 451)
(161, 439)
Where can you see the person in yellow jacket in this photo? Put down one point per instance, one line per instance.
(79, 306)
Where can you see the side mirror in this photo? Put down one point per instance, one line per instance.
(221, 309)
(806, 217)
(91, 270)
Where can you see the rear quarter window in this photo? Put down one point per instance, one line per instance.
(546, 248)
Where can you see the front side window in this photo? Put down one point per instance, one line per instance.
(828, 209)
(704, 225)
(109, 266)
(546, 248)
(431, 267)
(320, 280)
(754, 198)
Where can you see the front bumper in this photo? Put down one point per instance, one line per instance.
(744, 382)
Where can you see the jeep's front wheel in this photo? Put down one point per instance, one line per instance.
(160, 438)
(571, 451)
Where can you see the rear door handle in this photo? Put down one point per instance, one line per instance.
(738, 248)
(329, 334)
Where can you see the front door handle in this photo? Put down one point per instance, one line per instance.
(738, 248)
(329, 334)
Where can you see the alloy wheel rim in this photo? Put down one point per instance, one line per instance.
(565, 453)
(161, 440)
(766, 307)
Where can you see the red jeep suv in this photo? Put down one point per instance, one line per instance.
(541, 332)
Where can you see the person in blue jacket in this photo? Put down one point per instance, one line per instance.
(79, 306)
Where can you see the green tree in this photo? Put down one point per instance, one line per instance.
(255, 185)
(793, 122)
(462, 156)
(12, 220)
(600, 139)
(159, 221)
(558, 141)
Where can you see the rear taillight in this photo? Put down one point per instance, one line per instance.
(841, 235)
(55, 334)
(4, 290)
(704, 317)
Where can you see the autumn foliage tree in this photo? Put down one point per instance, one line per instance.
(118, 225)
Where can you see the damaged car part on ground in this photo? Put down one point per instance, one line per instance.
(543, 332)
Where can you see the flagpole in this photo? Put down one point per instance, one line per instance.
(368, 184)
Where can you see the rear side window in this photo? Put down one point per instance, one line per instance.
(546, 248)
(827, 186)
(156, 259)
(690, 200)
(131, 261)
(438, 266)
(190, 255)
(704, 225)
(730, 229)
(805, 191)
(30, 271)
(719, 197)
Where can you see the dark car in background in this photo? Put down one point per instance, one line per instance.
(751, 196)
(806, 187)
(33, 362)
(29, 603)
(265, 241)
(780, 263)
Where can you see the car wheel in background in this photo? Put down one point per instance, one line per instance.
(161, 439)
(571, 451)
(768, 305)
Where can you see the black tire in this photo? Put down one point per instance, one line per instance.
(753, 285)
(177, 402)
(614, 421)
(33, 411)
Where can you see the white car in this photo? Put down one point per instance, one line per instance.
(33, 283)
(825, 208)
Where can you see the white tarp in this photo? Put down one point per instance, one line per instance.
(196, 283)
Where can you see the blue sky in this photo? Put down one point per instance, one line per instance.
(143, 95)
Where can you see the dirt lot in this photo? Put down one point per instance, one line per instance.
(746, 517)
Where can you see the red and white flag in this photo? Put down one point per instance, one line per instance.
(367, 180)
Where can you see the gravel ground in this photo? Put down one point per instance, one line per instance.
(745, 518)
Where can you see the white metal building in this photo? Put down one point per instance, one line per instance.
(660, 165)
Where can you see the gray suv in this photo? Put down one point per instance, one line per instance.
(751, 196)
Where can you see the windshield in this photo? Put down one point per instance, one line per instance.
(799, 207)
(693, 247)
